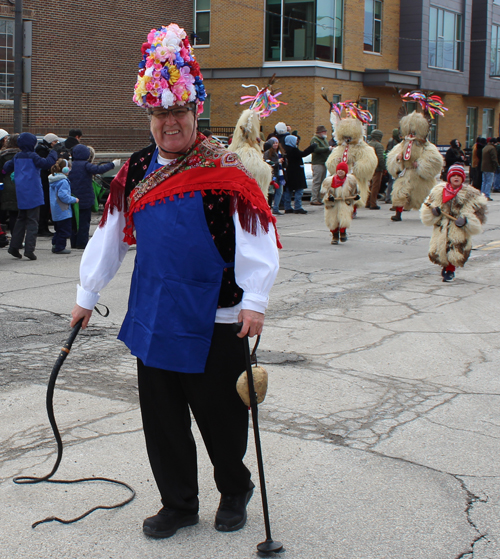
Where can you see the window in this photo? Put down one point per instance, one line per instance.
(411, 106)
(495, 51)
(6, 59)
(202, 22)
(488, 121)
(445, 39)
(372, 106)
(470, 127)
(372, 36)
(304, 30)
(432, 136)
(204, 118)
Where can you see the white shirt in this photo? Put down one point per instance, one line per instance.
(256, 264)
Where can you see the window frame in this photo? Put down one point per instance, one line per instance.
(471, 132)
(373, 26)
(285, 30)
(202, 11)
(7, 81)
(204, 117)
(488, 111)
(365, 103)
(440, 44)
(495, 51)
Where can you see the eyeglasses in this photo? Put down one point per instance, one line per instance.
(177, 113)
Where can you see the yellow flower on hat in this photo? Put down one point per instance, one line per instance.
(174, 74)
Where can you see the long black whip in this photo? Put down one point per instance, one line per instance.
(50, 412)
(269, 545)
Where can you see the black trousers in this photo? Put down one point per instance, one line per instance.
(166, 398)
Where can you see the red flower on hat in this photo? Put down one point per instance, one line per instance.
(145, 47)
(195, 69)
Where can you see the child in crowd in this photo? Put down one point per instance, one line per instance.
(457, 211)
(29, 192)
(340, 192)
(60, 200)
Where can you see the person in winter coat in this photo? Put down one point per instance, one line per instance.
(60, 205)
(456, 211)
(318, 163)
(9, 200)
(454, 155)
(477, 154)
(49, 142)
(29, 192)
(390, 144)
(489, 166)
(375, 143)
(340, 192)
(273, 157)
(295, 178)
(80, 178)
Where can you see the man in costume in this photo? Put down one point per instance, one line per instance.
(207, 256)
(354, 151)
(456, 211)
(415, 162)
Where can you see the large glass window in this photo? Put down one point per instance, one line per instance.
(372, 106)
(6, 59)
(445, 39)
(495, 51)
(204, 118)
(470, 127)
(488, 123)
(202, 22)
(372, 36)
(304, 30)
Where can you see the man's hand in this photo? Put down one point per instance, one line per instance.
(253, 323)
(78, 313)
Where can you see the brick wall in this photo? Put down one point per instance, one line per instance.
(84, 67)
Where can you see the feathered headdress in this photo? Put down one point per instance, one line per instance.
(432, 105)
(265, 101)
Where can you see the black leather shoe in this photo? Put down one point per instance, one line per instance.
(232, 512)
(289, 211)
(374, 207)
(301, 211)
(30, 255)
(166, 523)
(14, 252)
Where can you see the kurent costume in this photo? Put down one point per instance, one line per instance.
(415, 162)
(245, 144)
(456, 215)
(206, 249)
(339, 198)
(354, 151)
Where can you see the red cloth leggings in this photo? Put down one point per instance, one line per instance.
(341, 229)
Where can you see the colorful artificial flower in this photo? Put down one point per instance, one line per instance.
(168, 72)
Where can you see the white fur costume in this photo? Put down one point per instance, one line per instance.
(246, 146)
(414, 163)
(451, 244)
(338, 214)
(359, 156)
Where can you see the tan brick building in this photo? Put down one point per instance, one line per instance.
(354, 49)
(84, 59)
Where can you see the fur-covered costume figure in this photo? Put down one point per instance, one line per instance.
(414, 163)
(246, 145)
(456, 211)
(340, 195)
(354, 151)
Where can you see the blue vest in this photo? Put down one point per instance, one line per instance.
(175, 286)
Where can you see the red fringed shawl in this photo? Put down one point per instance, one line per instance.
(206, 167)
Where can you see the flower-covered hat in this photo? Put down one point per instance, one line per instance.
(168, 72)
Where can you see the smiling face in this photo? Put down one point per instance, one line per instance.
(341, 173)
(174, 130)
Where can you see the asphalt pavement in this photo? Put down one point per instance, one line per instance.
(380, 430)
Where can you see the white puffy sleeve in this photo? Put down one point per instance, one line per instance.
(256, 265)
(101, 260)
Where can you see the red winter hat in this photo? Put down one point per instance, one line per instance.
(455, 170)
(342, 166)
